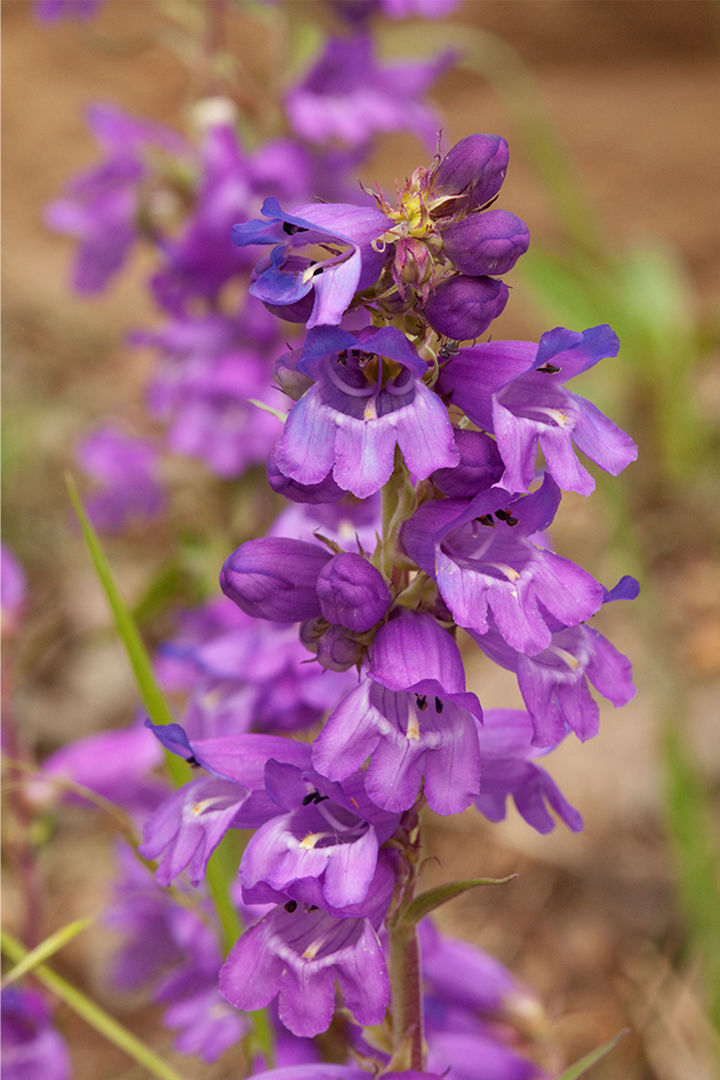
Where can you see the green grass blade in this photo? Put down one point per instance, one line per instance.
(696, 859)
(581, 1067)
(93, 1015)
(128, 632)
(46, 949)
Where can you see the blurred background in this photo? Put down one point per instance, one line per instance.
(611, 112)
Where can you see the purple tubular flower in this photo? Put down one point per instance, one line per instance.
(100, 206)
(313, 1070)
(488, 243)
(554, 682)
(356, 412)
(514, 389)
(325, 491)
(480, 466)
(487, 556)
(463, 307)
(476, 1054)
(473, 171)
(125, 468)
(275, 578)
(190, 824)
(426, 9)
(335, 280)
(322, 850)
(114, 764)
(348, 96)
(207, 1025)
(31, 1047)
(412, 717)
(506, 750)
(297, 954)
(352, 592)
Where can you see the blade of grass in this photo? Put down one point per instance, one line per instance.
(46, 949)
(92, 1013)
(581, 1067)
(128, 632)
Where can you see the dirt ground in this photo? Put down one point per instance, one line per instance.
(593, 922)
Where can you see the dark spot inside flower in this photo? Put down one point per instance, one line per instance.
(312, 907)
(421, 700)
(438, 705)
(548, 368)
(486, 519)
(342, 358)
(506, 516)
(314, 797)
(193, 762)
(291, 906)
(291, 229)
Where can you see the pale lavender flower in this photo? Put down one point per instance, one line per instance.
(350, 97)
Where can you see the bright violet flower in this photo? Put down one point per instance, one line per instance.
(204, 258)
(348, 96)
(368, 396)
(126, 471)
(352, 592)
(297, 955)
(101, 206)
(463, 307)
(412, 717)
(322, 848)
(472, 172)
(476, 1054)
(489, 243)
(554, 682)
(285, 280)
(31, 1046)
(480, 466)
(488, 555)
(507, 750)
(313, 1070)
(275, 578)
(515, 389)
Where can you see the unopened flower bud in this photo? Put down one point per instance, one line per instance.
(480, 466)
(488, 243)
(463, 307)
(337, 650)
(474, 169)
(275, 578)
(352, 592)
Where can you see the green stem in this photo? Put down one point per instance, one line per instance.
(96, 1017)
(406, 1004)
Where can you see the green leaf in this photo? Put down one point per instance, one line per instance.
(96, 1017)
(580, 1067)
(128, 633)
(46, 949)
(426, 902)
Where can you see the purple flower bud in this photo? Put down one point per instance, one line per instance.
(474, 168)
(463, 307)
(352, 592)
(275, 578)
(489, 243)
(337, 649)
(480, 466)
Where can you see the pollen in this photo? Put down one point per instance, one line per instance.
(311, 951)
(370, 412)
(308, 842)
(413, 729)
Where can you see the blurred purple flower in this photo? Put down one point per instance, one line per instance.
(13, 588)
(31, 1047)
(126, 469)
(52, 11)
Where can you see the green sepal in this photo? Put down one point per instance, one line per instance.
(426, 902)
